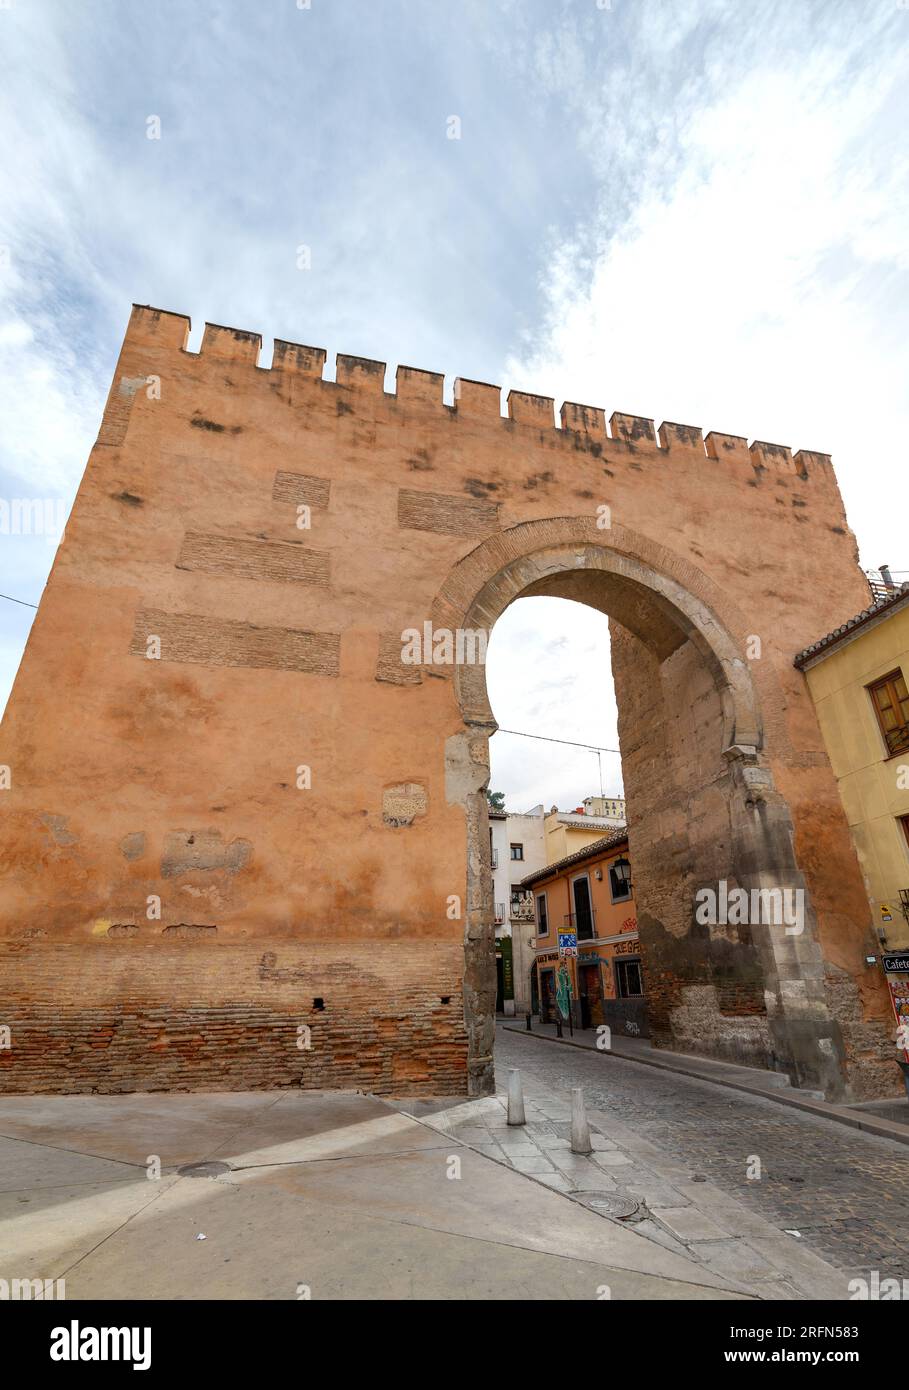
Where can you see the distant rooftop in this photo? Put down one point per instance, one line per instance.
(616, 838)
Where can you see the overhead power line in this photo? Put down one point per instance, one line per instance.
(18, 600)
(591, 747)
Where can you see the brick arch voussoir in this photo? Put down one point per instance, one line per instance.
(491, 576)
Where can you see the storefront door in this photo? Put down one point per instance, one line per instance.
(590, 994)
(548, 1000)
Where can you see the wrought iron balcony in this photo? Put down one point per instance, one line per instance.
(584, 923)
(897, 739)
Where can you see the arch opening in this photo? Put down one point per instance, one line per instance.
(703, 811)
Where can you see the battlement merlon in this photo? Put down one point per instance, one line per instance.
(162, 329)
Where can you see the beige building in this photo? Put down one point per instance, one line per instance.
(858, 676)
(612, 807)
(569, 831)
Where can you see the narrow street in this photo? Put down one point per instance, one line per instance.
(844, 1191)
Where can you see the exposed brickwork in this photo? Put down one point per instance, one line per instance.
(301, 489)
(284, 562)
(203, 1016)
(389, 665)
(739, 998)
(402, 804)
(220, 642)
(119, 406)
(449, 516)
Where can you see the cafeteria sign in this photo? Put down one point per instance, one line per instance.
(896, 967)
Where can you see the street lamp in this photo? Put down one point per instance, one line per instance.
(622, 870)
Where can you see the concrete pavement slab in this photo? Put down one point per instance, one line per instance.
(689, 1224)
(261, 1245)
(57, 1168)
(345, 1194)
(46, 1240)
(556, 1181)
(535, 1164)
(131, 1127)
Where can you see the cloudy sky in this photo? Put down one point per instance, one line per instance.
(693, 210)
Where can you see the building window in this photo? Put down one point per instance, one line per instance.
(620, 879)
(629, 982)
(542, 915)
(891, 705)
(582, 919)
(517, 851)
(904, 822)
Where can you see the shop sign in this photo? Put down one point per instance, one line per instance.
(628, 948)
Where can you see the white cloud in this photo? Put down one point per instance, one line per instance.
(755, 283)
(758, 286)
(548, 672)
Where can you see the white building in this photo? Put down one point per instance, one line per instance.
(517, 845)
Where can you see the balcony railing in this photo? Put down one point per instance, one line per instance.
(584, 923)
(521, 909)
(897, 739)
(882, 584)
(494, 856)
(500, 913)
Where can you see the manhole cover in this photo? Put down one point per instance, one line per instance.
(211, 1169)
(608, 1204)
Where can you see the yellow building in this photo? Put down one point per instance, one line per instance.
(567, 832)
(859, 679)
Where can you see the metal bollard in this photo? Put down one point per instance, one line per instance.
(527, 1021)
(580, 1130)
(515, 1098)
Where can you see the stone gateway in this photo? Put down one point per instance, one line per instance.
(239, 809)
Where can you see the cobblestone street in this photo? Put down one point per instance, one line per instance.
(845, 1192)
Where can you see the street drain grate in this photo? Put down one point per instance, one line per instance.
(211, 1169)
(608, 1204)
